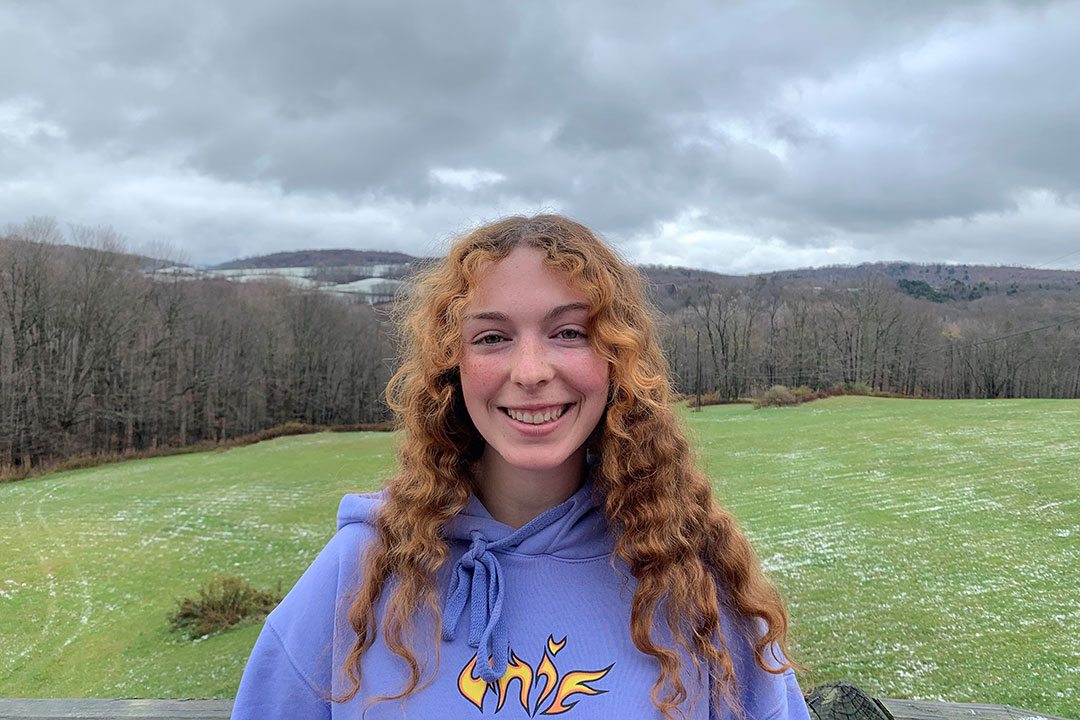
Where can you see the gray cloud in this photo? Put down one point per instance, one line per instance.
(742, 136)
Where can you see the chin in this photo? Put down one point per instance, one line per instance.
(539, 461)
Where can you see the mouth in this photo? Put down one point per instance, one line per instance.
(538, 416)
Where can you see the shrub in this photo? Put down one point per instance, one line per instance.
(224, 601)
(805, 394)
(857, 388)
(381, 426)
(776, 396)
(851, 388)
(713, 398)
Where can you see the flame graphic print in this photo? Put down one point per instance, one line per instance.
(545, 681)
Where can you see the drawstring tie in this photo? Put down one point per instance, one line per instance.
(478, 577)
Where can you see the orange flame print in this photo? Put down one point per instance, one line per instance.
(473, 688)
(550, 675)
(572, 683)
(515, 670)
(576, 682)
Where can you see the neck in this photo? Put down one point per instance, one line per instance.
(514, 496)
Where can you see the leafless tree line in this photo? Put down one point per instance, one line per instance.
(738, 339)
(97, 355)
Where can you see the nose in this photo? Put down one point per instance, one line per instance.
(531, 364)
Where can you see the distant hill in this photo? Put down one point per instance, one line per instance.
(937, 282)
(79, 253)
(341, 257)
(666, 274)
(936, 273)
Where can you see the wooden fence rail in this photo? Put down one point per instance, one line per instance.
(100, 709)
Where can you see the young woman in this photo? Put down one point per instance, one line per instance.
(547, 546)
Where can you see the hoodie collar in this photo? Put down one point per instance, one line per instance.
(574, 529)
(477, 578)
(579, 533)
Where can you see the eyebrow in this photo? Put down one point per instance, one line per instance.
(552, 314)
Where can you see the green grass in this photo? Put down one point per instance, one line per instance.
(926, 549)
(93, 561)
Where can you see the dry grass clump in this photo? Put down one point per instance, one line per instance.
(782, 396)
(713, 398)
(223, 601)
(776, 396)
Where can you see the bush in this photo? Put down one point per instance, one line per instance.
(805, 394)
(712, 398)
(776, 396)
(851, 388)
(223, 601)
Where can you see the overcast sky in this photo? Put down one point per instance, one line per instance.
(736, 136)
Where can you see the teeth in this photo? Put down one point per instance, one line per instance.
(538, 418)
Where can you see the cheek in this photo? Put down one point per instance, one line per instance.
(478, 379)
(594, 376)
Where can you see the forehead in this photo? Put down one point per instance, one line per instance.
(522, 282)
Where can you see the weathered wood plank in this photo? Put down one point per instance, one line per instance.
(925, 710)
(99, 709)
(108, 709)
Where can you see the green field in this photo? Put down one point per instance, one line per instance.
(927, 549)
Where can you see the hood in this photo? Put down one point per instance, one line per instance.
(572, 530)
(578, 528)
(359, 508)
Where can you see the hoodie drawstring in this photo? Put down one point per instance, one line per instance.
(478, 577)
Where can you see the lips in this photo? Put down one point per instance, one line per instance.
(537, 416)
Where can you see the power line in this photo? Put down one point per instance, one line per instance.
(1062, 321)
(1069, 254)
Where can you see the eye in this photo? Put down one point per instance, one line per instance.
(491, 339)
(570, 334)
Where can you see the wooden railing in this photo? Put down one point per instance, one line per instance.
(91, 709)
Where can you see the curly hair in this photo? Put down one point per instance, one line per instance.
(685, 552)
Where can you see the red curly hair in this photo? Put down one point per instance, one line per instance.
(685, 552)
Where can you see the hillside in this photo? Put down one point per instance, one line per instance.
(341, 257)
(950, 281)
(936, 282)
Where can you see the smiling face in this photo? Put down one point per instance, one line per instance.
(533, 385)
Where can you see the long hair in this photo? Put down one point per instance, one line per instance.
(687, 555)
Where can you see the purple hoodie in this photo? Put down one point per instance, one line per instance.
(536, 622)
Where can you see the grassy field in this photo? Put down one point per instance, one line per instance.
(927, 549)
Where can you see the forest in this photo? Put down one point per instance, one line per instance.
(102, 351)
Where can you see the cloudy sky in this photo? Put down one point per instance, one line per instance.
(737, 136)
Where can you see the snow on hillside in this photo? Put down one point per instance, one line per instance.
(377, 287)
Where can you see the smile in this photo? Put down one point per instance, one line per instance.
(538, 416)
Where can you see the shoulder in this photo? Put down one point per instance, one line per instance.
(763, 695)
(305, 620)
(337, 567)
(290, 670)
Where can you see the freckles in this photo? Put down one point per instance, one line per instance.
(477, 371)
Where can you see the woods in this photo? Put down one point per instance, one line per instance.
(106, 352)
(99, 354)
(743, 337)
